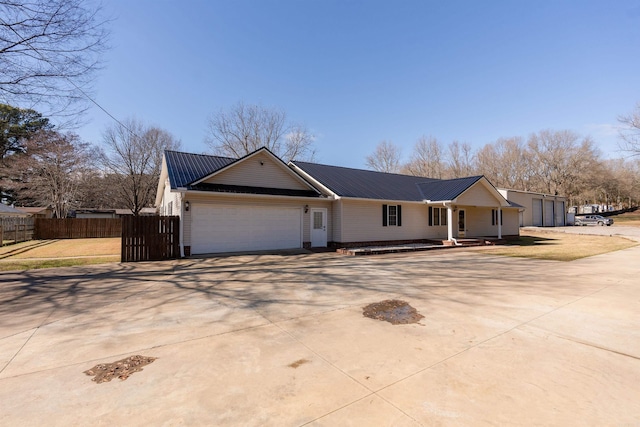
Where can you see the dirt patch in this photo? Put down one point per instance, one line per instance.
(297, 363)
(393, 311)
(105, 372)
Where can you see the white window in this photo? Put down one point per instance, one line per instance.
(393, 215)
(438, 216)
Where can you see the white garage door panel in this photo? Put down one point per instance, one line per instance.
(244, 228)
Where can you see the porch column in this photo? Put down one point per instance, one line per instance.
(499, 223)
(449, 223)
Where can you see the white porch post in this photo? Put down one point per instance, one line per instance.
(449, 223)
(499, 223)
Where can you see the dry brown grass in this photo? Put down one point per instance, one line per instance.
(69, 248)
(560, 246)
(629, 218)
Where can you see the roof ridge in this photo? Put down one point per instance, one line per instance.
(200, 154)
(365, 170)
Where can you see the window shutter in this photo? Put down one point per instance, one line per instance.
(399, 215)
(384, 215)
(430, 216)
(493, 217)
(501, 223)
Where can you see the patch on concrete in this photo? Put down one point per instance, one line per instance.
(393, 311)
(105, 372)
(297, 363)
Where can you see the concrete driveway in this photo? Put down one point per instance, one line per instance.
(281, 340)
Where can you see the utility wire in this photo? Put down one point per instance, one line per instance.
(85, 94)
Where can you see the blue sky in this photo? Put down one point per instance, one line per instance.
(358, 72)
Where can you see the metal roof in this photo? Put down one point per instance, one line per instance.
(446, 189)
(365, 184)
(185, 168)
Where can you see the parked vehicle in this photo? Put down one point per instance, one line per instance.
(593, 220)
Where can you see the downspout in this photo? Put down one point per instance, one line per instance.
(450, 224)
(181, 225)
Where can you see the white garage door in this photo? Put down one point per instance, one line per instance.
(537, 212)
(548, 213)
(244, 228)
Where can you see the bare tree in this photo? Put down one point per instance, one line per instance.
(562, 162)
(245, 128)
(50, 51)
(630, 133)
(133, 154)
(460, 162)
(426, 159)
(50, 170)
(386, 158)
(506, 163)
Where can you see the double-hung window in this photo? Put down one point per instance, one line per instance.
(391, 215)
(437, 216)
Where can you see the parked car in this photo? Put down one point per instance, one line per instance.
(593, 220)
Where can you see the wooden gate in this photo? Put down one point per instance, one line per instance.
(150, 238)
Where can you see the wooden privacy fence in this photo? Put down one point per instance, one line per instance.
(77, 228)
(150, 238)
(14, 230)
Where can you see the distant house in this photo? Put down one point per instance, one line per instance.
(259, 202)
(111, 213)
(95, 213)
(541, 210)
(37, 211)
(8, 211)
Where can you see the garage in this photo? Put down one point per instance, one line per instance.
(548, 213)
(537, 212)
(236, 228)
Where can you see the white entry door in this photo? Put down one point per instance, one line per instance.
(318, 227)
(462, 223)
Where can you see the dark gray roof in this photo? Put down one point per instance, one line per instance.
(185, 168)
(365, 184)
(446, 189)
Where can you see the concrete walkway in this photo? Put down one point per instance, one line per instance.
(281, 340)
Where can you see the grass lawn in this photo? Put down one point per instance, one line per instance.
(629, 218)
(560, 246)
(59, 253)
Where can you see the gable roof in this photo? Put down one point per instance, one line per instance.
(189, 171)
(446, 189)
(185, 168)
(365, 184)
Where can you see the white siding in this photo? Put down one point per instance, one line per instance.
(362, 222)
(479, 222)
(260, 170)
(478, 195)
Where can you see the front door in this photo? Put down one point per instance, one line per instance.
(462, 223)
(318, 227)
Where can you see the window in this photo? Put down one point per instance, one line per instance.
(170, 209)
(437, 216)
(494, 217)
(317, 220)
(391, 215)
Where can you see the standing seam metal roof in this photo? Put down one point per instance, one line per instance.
(185, 168)
(365, 184)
